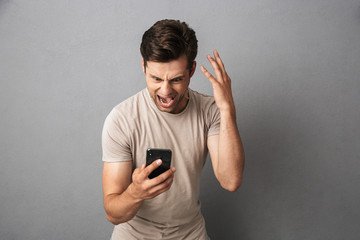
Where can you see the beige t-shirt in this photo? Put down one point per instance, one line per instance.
(135, 125)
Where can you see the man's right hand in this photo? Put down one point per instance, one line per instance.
(123, 198)
(143, 188)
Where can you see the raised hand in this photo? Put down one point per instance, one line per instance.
(221, 83)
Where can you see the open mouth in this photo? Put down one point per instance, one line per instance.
(166, 102)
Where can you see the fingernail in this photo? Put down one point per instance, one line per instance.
(158, 162)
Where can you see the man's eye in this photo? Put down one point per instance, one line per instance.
(176, 79)
(157, 79)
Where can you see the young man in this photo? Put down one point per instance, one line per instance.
(169, 115)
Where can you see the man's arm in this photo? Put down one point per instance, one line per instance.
(123, 198)
(226, 150)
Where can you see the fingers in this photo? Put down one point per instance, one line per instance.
(145, 188)
(219, 61)
(163, 177)
(218, 67)
(162, 183)
(148, 170)
(208, 75)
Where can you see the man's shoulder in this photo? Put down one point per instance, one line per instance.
(132, 102)
(202, 100)
(130, 107)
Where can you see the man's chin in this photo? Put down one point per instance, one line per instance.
(165, 109)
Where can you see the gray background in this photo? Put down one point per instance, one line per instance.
(295, 67)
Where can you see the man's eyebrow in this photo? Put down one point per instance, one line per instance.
(177, 77)
(180, 76)
(153, 76)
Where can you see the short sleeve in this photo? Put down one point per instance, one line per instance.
(213, 119)
(115, 139)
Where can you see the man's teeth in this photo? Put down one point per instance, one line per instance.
(166, 101)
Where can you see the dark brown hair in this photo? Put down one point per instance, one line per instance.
(168, 40)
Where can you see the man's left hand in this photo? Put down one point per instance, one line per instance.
(221, 83)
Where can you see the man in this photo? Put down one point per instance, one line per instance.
(169, 115)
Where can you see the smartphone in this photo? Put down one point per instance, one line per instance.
(153, 154)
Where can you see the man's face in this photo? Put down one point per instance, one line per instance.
(168, 83)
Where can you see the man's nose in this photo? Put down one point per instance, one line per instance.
(166, 88)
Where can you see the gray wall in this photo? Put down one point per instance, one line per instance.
(295, 67)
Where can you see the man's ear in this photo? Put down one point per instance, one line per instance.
(193, 69)
(142, 64)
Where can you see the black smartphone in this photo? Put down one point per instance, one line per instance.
(153, 154)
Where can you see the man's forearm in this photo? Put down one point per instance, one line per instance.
(230, 160)
(122, 207)
(227, 154)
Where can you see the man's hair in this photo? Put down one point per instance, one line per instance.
(168, 40)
